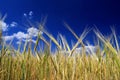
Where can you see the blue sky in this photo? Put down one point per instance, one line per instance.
(77, 13)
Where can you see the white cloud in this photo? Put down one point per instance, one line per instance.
(13, 24)
(29, 40)
(3, 25)
(8, 38)
(88, 49)
(21, 35)
(18, 42)
(25, 14)
(30, 13)
(32, 32)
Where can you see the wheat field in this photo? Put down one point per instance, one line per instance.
(66, 63)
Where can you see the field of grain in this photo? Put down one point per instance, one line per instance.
(66, 63)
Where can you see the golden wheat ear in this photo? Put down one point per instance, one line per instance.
(2, 18)
(105, 41)
(66, 46)
(53, 39)
(116, 39)
(83, 35)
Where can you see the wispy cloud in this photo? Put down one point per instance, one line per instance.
(29, 40)
(13, 24)
(3, 26)
(31, 33)
(25, 15)
(24, 40)
(88, 49)
(29, 15)
(20, 35)
(8, 38)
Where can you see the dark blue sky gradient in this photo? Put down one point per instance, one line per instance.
(77, 13)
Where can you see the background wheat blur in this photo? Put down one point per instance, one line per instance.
(66, 63)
